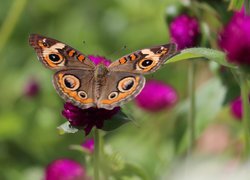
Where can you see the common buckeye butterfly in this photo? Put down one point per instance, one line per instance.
(79, 81)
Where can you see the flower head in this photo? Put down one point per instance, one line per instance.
(65, 169)
(156, 96)
(99, 59)
(31, 88)
(235, 39)
(89, 144)
(87, 118)
(236, 107)
(185, 31)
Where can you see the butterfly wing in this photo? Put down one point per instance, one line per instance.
(57, 55)
(76, 86)
(118, 88)
(144, 61)
(73, 80)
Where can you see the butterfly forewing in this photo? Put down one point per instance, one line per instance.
(57, 55)
(144, 61)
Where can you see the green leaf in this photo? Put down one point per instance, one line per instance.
(66, 128)
(11, 125)
(236, 4)
(80, 148)
(202, 53)
(116, 121)
(132, 171)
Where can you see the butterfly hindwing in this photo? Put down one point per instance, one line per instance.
(119, 88)
(76, 86)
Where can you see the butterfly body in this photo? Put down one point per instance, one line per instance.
(79, 81)
(101, 71)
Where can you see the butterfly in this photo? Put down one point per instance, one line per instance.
(79, 81)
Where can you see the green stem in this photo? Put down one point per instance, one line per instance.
(10, 21)
(246, 113)
(191, 116)
(247, 7)
(97, 155)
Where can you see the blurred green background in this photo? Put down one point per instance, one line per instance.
(28, 136)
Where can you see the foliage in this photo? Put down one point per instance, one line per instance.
(147, 147)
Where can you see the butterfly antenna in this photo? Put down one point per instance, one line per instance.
(116, 51)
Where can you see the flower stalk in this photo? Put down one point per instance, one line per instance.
(191, 115)
(97, 154)
(246, 113)
(247, 7)
(10, 21)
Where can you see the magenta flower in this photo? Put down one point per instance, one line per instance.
(89, 145)
(87, 118)
(65, 169)
(32, 88)
(235, 39)
(236, 108)
(99, 59)
(185, 31)
(156, 96)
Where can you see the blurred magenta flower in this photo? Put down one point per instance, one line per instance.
(236, 108)
(235, 39)
(65, 169)
(89, 145)
(156, 96)
(87, 118)
(31, 88)
(99, 59)
(185, 31)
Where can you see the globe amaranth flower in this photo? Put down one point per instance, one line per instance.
(235, 39)
(236, 108)
(99, 59)
(65, 169)
(89, 145)
(156, 96)
(87, 118)
(31, 88)
(185, 31)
